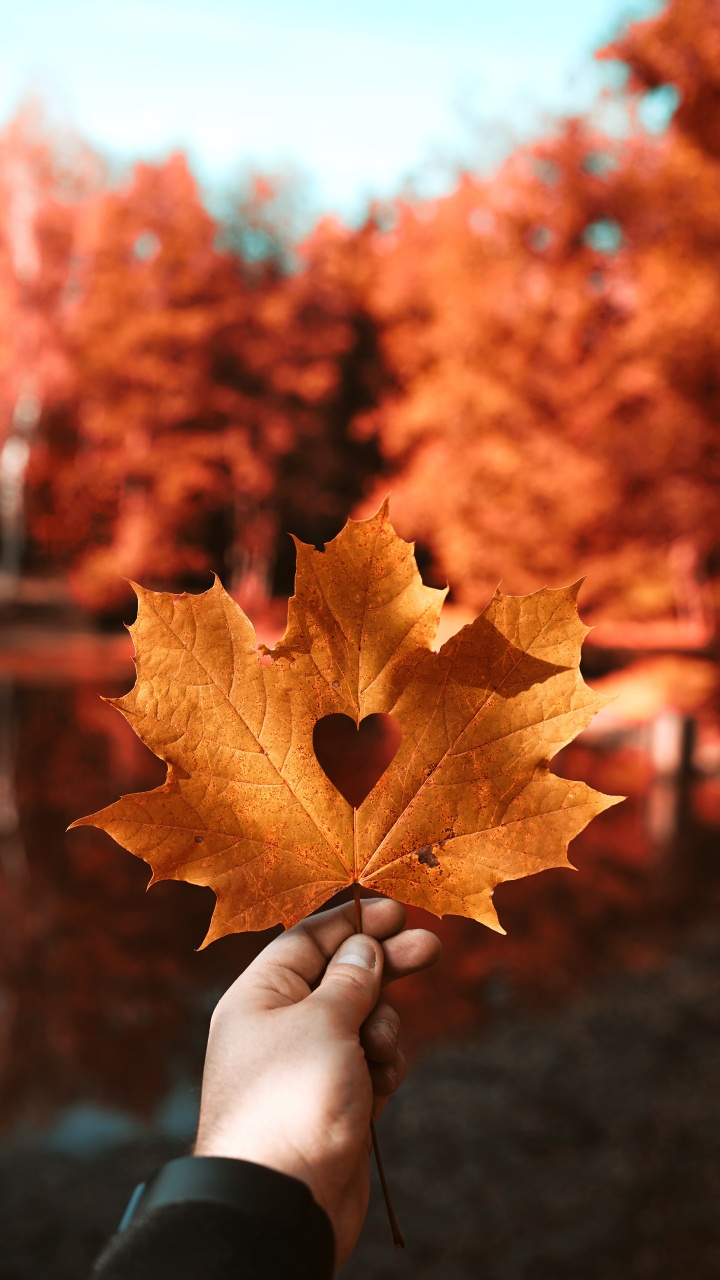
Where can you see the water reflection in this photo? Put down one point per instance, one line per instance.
(105, 1002)
(12, 851)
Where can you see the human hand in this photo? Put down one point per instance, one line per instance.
(303, 1051)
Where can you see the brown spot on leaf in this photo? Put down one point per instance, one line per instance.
(427, 857)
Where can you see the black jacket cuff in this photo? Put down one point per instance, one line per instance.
(211, 1218)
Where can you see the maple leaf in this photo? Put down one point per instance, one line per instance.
(468, 800)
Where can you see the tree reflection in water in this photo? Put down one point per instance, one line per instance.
(105, 1000)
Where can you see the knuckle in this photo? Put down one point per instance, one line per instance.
(384, 1012)
(383, 1037)
(351, 977)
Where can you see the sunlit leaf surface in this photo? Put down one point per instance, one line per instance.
(466, 802)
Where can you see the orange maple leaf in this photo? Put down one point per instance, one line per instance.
(468, 799)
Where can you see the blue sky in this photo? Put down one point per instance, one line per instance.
(357, 97)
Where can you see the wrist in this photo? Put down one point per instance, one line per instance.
(255, 1149)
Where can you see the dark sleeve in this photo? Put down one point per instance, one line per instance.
(207, 1218)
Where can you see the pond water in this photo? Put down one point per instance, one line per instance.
(105, 1003)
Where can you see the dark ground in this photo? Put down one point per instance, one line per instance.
(583, 1144)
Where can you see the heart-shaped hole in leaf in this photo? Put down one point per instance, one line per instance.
(355, 757)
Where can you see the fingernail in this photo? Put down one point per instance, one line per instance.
(359, 951)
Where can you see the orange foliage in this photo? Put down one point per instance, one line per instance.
(680, 47)
(530, 361)
(45, 179)
(552, 332)
(166, 440)
(209, 405)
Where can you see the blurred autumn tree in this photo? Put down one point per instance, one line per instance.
(530, 364)
(167, 452)
(46, 177)
(210, 402)
(263, 217)
(680, 48)
(320, 364)
(553, 333)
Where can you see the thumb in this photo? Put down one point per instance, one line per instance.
(351, 984)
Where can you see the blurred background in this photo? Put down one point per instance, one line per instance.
(256, 271)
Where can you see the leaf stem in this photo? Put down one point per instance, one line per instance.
(358, 908)
(397, 1235)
